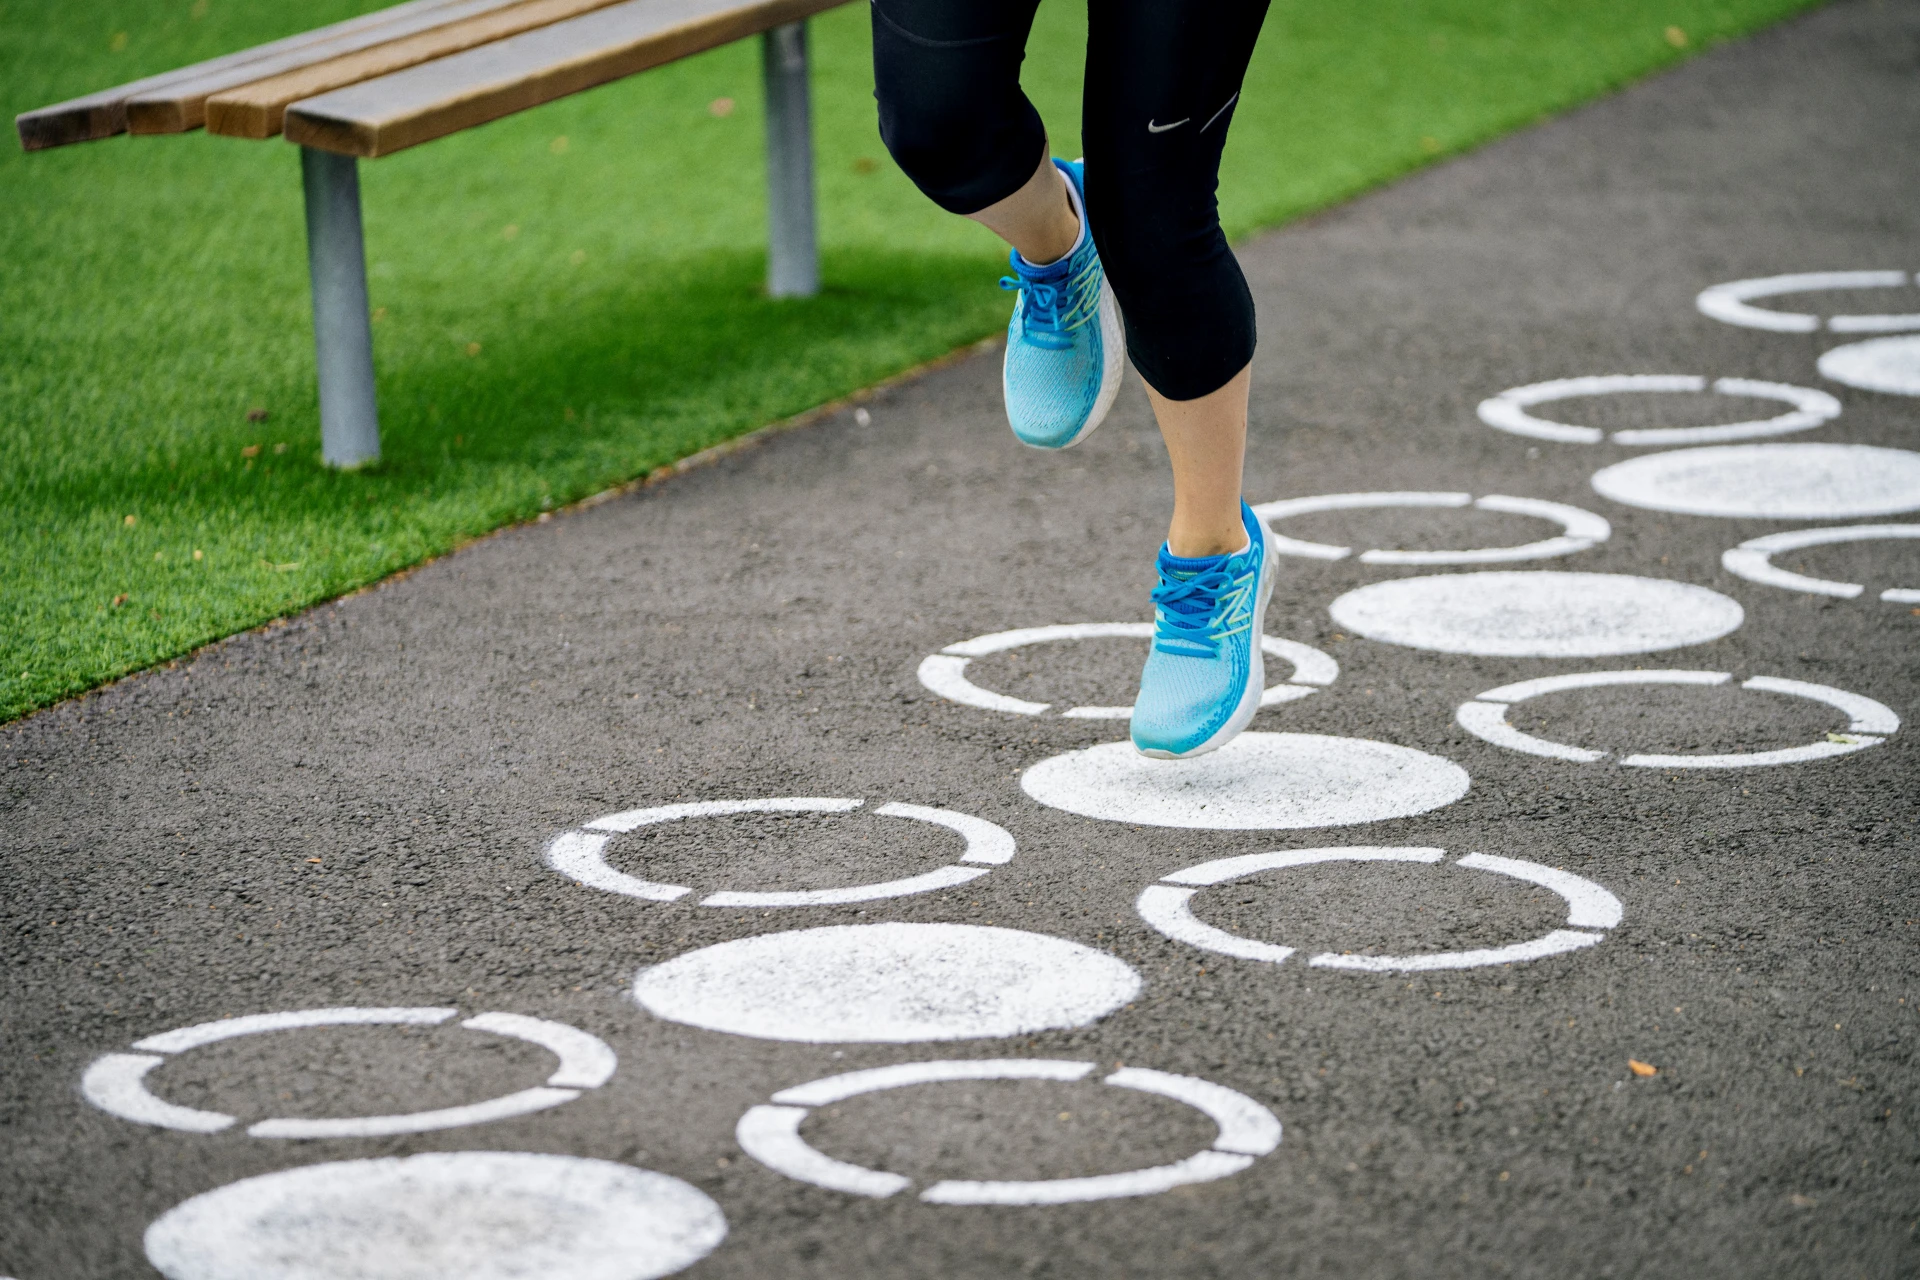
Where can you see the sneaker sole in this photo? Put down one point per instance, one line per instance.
(1256, 670)
(1113, 340)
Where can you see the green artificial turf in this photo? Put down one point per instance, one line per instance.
(567, 298)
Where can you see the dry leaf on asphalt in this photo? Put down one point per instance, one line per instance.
(1640, 1068)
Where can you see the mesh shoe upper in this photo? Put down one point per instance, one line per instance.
(1204, 657)
(1058, 374)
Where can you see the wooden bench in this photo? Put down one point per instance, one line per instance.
(386, 81)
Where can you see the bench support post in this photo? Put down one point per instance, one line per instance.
(342, 332)
(793, 253)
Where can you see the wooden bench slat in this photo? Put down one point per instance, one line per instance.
(103, 114)
(381, 116)
(255, 110)
(182, 106)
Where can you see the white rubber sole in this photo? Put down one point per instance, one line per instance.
(1256, 669)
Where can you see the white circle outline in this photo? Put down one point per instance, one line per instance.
(1580, 528)
(580, 855)
(1753, 560)
(1869, 722)
(116, 1082)
(770, 1133)
(1729, 302)
(944, 673)
(1167, 907)
(1507, 411)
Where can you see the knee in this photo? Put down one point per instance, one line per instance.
(963, 153)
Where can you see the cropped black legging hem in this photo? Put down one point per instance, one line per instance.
(1163, 77)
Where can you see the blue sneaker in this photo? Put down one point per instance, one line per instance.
(1065, 348)
(1204, 676)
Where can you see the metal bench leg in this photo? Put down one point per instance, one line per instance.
(342, 333)
(793, 251)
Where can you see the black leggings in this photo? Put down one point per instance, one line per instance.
(1162, 80)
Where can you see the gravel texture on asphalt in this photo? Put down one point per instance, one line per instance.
(354, 808)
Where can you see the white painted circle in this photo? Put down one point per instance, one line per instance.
(1869, 722)
(945, 673)
(892, 983)
(1891, 365)
(581, 855)
(1733, 302)
(1257, 782)
(116, 1082)
(1769, 481)
(1537, 614)
(771, 1133)
(1168, 907)
(1753, 560)
(1579, 529)
(477, 1215)
(1510, 410)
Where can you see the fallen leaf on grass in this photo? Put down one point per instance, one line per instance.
(1640, 1068)
(256, 414)
(250, 451)
(119, 599)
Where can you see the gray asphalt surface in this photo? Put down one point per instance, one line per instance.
(351, 809)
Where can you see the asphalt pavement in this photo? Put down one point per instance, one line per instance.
(1663, 1025)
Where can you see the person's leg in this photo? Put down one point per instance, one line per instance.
(947, 76)
(1163, 78)
(1038, 219)
(1207, 443)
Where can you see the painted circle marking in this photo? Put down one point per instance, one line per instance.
(1891, 365)
(1508, 411)
(1537, 614)
(891, 983)
(771, 1133)
(1168, 907)
(1579, 529)
(1258, 781)
(1869, 722)
(581, 855)
(945, 673)
(1753, 560)
(479, 1215)
(1732, 302)
(116, 1082)
(1769, 481)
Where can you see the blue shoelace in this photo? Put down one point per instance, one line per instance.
(1058, 302)
(1194, 614)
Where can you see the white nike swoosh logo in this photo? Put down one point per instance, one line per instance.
(1162, 128)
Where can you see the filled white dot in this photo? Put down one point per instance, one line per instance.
(478, 1215)
(888, 983)
(1258, 781)
(1891, 365)
(1538, 614)
(1769, 481)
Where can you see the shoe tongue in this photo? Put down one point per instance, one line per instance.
(1184, 567)
(1049, 273)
